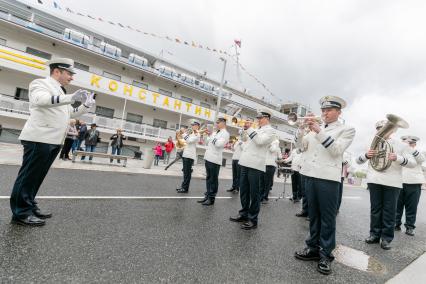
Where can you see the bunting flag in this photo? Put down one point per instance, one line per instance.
(190, 43)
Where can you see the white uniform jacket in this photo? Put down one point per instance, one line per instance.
(295, 159)
(414, 175)
(238, 147)
(273, 153)
(215, 144)
(254, 150)
(50, 112)
(393, 175)
(190, 150)
(323, 152)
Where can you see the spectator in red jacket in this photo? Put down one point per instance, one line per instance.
(169, 148)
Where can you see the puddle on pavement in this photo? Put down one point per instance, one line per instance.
(358, 259)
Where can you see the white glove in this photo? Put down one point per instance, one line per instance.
(90, 101)
(79, 96)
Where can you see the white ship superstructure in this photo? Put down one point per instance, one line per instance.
(142, 94)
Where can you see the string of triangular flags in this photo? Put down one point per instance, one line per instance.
(176, 40)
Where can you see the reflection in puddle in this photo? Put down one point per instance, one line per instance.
(358, 259)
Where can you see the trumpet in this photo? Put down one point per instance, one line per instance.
(293, 119)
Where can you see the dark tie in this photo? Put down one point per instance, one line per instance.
(217, 131)
(325, 126)
(63, 89)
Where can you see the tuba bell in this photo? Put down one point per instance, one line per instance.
(180, 142)
(380, 162)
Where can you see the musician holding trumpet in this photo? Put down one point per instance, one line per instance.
(189, 154)
(323, 148)
(387, 157)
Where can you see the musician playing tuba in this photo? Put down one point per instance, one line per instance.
(387, 157)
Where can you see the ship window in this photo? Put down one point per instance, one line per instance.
(81, 66)
(38, 53)
(160, 123)
(136, 118)
(104, 111)
(186, 99)
(2, 41)
(165, 92)
(303, 112)
(205, 105)
(112, 76)
(140, 85)
(21, 94)
(294, 109)
(181, 126)
(97, 42)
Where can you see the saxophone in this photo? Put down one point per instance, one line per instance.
(380, 162)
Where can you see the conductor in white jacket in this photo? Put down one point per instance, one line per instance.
(189, 155)
(42, 136)
(412, 180)
(213, 160)
(253, 166)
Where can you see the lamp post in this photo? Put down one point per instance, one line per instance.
(219, 97)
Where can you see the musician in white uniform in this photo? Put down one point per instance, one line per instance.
(323, 150)
(42, 136)
(294, 159)
(237, 146)
(409, 197)
(189, 155)
(267, 180)
(384, 189)
(253, 166)
(213, 160)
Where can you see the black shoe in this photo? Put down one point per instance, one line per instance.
(372, 240)
(324, 266)
(302, 214)
(42, 215)
(231, 190)
(385, 245)
(202, 200)
(249, 225)
(264, 201)
(296, 200)
(181, 190)
(208, 202)
(291, 199)
(398, 228)
(307, 254)
(31, 220)
(410, 231)
(238, 219)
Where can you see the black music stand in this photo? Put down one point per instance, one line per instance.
(286, 172)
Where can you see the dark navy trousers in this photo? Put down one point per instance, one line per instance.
(267, 182)
(37, 159)
(250, 193)
(235, 174)
(187, 172)
(383, 200)
(212, 179)
(409, 199)
(323, 197)
(303, 194)
(295, 186)
(340, 194)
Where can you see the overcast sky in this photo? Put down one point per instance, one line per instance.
(371, 53)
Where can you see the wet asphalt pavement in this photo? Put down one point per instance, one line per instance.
(177, 240)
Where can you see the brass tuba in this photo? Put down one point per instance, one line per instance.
(180, 142)
(380, 162)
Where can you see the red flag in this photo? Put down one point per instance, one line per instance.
(238, 42)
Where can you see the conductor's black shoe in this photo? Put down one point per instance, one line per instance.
(324, 266)
(372, 240)
(238, 218)
(302, 214)
(202, 200)
(307, 254)
(249, 225)
(410, 231)
(385, 245)
(31, 220)
(42, 215)
(181, 190)
(398, 228)
(208, 202)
